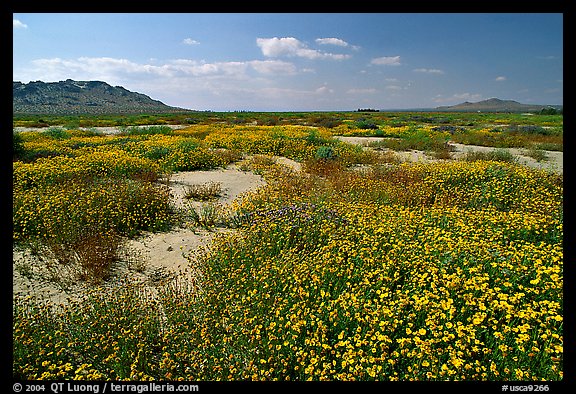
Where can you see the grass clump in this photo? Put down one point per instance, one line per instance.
(501, 155)
(207, 215)
(537, 154)
(148, 130)
(204, 191)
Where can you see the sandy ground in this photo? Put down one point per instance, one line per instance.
(554, 162)
(168, 251)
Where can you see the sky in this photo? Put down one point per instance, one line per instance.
(299, 61)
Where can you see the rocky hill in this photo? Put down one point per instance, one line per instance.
(82, 97)
(496, 105)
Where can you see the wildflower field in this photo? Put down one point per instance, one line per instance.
(358, 267)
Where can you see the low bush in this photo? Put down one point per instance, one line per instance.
(502, 155)
(203, 191)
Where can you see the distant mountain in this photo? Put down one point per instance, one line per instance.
(82, 97)
(496, 105)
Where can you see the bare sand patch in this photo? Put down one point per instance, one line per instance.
(170, 250)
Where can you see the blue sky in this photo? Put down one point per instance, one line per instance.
(299, 62)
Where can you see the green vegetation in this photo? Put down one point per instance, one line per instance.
(331, 119)
(391, 271)
(493, 155)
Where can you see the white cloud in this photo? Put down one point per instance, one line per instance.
(458, 98)
(324, 89)
(468, 96)
(290, 46)
(108, 68)
(273, 67)
(273, 47)
(180, 82)
(500, 78)
(190, 41)
(335, 41)
(428, 70)
(361, 91)
(16, 24)
(386, 61)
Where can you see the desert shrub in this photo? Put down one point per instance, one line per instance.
(17, 146)
(227, 156)
(203, 191)
(57, 133)
(365, 124)
(188, 144)
(322, 167)
(537, 154)
(443, 151)
(324, 121)
(551, 146)
(207, 215)
(150, 130)
(315, 138)
(325, 153)
(417, 139)
(530, 129)
(257, 164)
(550, 111)
(270, 120)
(157, 153)
(449, 128)
(72, 125)
(501, 155)
(91, 253)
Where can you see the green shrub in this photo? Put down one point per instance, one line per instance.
(325, 153)
(17, 146)
(366, 124)
(495, 155)
(537, 154)
(57, 133)
(150, 130)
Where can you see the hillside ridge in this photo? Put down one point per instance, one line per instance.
(82, 97)
(496, 105)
